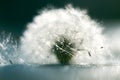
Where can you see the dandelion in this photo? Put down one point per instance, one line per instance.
(66, 36)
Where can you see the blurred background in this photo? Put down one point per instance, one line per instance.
(15, 14)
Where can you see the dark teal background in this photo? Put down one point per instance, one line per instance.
(15, 14)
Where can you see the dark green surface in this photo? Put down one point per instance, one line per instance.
(59, 72)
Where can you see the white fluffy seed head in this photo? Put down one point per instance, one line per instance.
(49, 25)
